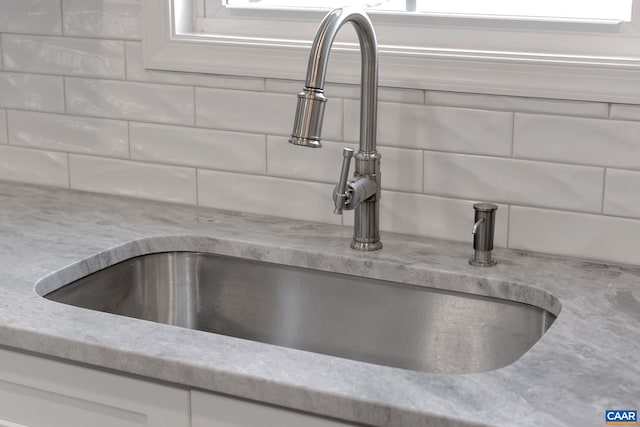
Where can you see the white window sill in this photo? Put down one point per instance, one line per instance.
(594, 62)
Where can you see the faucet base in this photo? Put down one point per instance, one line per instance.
(482, 259)
(366, 246)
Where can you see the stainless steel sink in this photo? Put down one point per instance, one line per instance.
(369, 320)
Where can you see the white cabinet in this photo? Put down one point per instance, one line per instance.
(40, 392)
(214, 410)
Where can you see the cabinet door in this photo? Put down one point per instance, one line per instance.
(214, 410)
(40, 392)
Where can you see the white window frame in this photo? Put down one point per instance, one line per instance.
(558, 60)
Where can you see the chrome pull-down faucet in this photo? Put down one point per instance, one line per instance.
(362, 192)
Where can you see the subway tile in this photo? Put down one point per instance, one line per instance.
(519, 104)
(621, 196)
(211, 149)
(258, 112)
(313, 164)
(625, 112)
(436, 128)
(130, 101)
(31, 17)
(33, 166)
(401, 169)
(577, 140)
(390, 94)
(64, 55)
(133, 179)
(69, 133)
(574, 234)
(514, 181)
(103, 18)
(436, 217)
(296, 199)
(31, 91)
(3, 127)
(137, 72)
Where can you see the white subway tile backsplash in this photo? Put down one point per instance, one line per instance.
(130, 101)
(64, 55)
(69, 133)
(211, 149)
(401, 169)
(103, 18)
(523, 105)
(625, 112)
(437, 217)
(436, 128)
(270, 113)
(31, 91)
(575, 234)
(31, 17)
(577, 140)
(3, 127)
(127, 178)
(137, 72)
(268, 196)
(621, 193)
(514, 181)
(33, 166)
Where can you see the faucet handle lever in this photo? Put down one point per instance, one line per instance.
(340, 193)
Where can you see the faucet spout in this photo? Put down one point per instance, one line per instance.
(311, 100)
(362, 192)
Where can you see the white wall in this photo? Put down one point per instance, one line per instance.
(77, 110)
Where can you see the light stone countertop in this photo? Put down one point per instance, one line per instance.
(587, 362)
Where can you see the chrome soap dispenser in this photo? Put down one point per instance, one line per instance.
(483, 230)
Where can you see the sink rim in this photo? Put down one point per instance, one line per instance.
(480, 285)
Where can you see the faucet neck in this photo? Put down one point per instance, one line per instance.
(319, 58)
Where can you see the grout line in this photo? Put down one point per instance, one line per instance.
(62, 18)
(2, 52)
(266, 155)
(112, 79)
(6, 121)
(343, 119)
(129, 138)
(197, 187)
(64, 94)
(75, 36)
(195, 113)
(424, 170)
(126, 71)
(513, 133)
(68, 170)
(604, 189)
(508, 225)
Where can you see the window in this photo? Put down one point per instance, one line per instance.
(561, 10)
(584, 58)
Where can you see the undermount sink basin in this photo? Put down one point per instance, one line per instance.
(369, 320)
